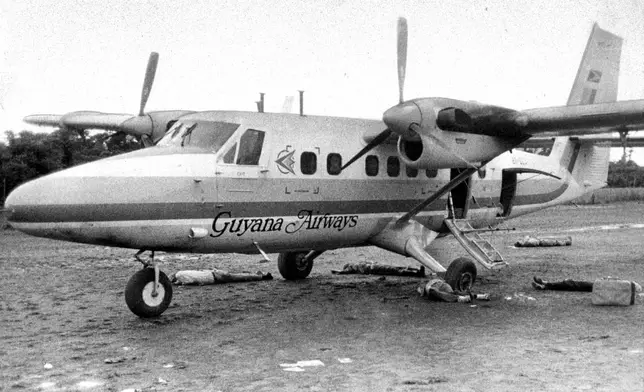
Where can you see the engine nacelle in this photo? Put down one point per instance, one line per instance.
(445, 139)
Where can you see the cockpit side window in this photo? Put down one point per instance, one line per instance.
(230, 155)
(250, 147)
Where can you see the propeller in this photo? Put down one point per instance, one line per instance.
(381, 137)
(150, 71)
(402, 56)
(402, 67)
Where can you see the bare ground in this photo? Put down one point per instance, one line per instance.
(62, 304)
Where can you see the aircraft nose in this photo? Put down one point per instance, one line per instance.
(398, 118)
(25, 202)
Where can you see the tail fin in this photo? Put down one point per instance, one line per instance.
(596, 82)
(598, 74)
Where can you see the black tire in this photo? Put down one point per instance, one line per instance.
(292, 265)
(138, 293)
(461, 274)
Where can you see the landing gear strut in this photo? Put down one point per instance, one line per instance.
(148, 292)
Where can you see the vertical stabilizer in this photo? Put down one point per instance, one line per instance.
(596, 82)
(598, 74)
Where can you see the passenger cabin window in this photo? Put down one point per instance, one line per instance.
(411, 172)
(371, 165)
(248, 151)
(334, 164)
(393, 166)
(208, 135)
(308, 162)
(431, 173)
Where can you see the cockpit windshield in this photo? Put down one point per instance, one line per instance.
(209, 135)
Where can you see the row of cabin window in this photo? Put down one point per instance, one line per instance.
(308, 165)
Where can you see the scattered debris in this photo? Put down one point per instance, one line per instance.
(162, 381)
(380, 269)
(593, 338)
(117, 359)
(520, 298)
(48, 366)
(293, 369)
(300, 365)
(529, 241)
(88, 384)
(429, 381)
(345, 360)
(215, 276)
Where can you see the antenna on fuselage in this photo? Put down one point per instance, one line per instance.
(260, 103)
(301, 102)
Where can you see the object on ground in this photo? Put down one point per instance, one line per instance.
(521, 299)
(440, 290)
(606, 291)
(529, 241)
(300, 365)
(614, 292)
(203, 277)
(563, 285)
(379, 269)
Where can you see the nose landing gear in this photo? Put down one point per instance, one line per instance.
(149, 291)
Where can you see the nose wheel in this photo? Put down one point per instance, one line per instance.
(149, 291)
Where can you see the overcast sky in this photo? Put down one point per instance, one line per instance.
(61, 56)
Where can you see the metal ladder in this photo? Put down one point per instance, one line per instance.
(478, 247)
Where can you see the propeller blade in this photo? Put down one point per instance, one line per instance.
(402, 55)
(149, 79)
(382, 136)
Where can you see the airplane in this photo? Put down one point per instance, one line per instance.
(298, 185)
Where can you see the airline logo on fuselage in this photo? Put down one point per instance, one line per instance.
(306, 220)
(285, 161)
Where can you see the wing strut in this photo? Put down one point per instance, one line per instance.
(464, 175)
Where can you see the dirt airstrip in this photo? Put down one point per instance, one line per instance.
(64, 324)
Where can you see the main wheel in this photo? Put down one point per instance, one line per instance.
(293, 266)
(461, 274)
(139, 293)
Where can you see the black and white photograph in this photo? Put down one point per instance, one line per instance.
(321, 196)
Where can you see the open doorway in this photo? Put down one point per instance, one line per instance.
(508, 191)
(458, 202)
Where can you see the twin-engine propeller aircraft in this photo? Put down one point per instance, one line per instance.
(246, 182)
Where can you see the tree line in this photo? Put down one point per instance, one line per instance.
(28, 155)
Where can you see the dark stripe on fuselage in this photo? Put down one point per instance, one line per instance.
(196, 210)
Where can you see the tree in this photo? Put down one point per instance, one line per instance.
(625, 174)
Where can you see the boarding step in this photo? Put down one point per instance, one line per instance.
(478, 247)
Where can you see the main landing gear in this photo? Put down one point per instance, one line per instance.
(461, 274)
(149, 291)
(296, 265)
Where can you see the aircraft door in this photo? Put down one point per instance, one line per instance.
(243, 167)
(458, 201)
(508, 191)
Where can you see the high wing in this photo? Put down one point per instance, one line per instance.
(608, 139)
(149, 127)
